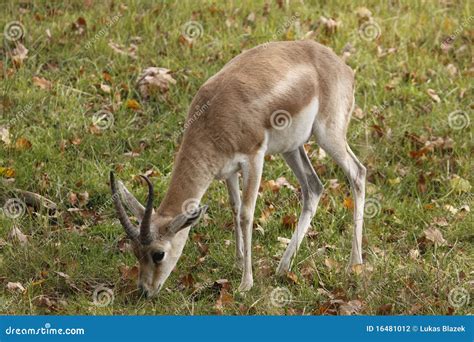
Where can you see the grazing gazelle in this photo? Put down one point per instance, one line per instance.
(269, 99)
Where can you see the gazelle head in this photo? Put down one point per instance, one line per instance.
(158, 241)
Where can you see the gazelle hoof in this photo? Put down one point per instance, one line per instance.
(245, 285)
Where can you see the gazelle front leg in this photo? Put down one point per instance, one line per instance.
(252, 174)
(234, 197)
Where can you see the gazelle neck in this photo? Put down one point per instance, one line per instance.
(193, 172)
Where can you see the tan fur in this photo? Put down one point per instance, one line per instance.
(235, 123)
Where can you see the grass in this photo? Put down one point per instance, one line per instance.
(412, 188)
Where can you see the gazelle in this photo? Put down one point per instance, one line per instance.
(270, 99)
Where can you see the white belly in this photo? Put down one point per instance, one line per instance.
(288, 132)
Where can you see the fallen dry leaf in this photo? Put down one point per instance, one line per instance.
(15, 287)
(352, 307)
(331, 263)
(289, 221)
(128, 273)
(79, 26)
(154, 79)
(385, 309)
(131, 51)
(42, 82)
(363, 13)
(105, 88)
(16, 235)
(434, 235)
(5, 135)
(348, 203)
(19, 54)
(133, 104)
(330, 25)
(7, 172)
(434, 96)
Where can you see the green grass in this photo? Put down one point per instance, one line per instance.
(66, 157)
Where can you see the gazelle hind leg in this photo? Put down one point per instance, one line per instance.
(337, 147)
(252, 174)
(311, 188)
(234, 196)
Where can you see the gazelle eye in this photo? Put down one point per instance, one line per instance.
(157, 256)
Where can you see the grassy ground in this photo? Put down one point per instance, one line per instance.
(418, 240)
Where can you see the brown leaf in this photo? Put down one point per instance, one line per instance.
(16, 235)
(385, 309)
(7, 172)
(331, 263)
(42, 82)
(19, 54)
(330, 25)
(133, 104)
(421, 183)
(105, 88)
(128, 273)
(187, 281)
(358, 113)
(352, 307)
(434, 96)
(22, 144)
(15, 287)
(83, 198)
(131, 51)
(79, 26)
(153, 80)
(348, 203)
(5, 135)
(363, 13)
(292, 277)
(434, 235)
(289, 221)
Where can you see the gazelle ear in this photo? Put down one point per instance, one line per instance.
(186, 220)
(132, 204)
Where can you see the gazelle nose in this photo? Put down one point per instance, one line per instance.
(143, 290)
